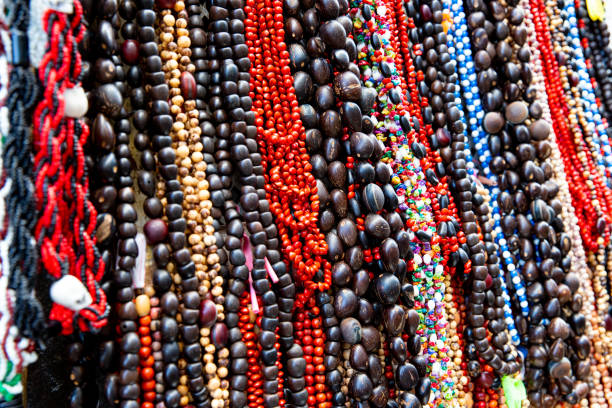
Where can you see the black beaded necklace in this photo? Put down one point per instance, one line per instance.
(17, 162)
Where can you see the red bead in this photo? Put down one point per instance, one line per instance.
(130, 52)
(188, 85)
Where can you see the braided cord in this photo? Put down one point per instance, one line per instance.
(20, 207)
(65, 230)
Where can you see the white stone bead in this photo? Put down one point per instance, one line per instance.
(75, 102)
(70, 293)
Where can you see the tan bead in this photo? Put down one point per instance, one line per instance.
(142, 304)
(222, 372)
(183, 41)
(213, 384)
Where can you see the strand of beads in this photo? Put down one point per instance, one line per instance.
(163, 206)
(290, 186)
(588, 111)
(588, 194)
(321, 53)
(191, 171)
(483, 152)
(494, 280)
(582, 90)
(442, 98)
(111, 129)
(213, 316)
(56, 202)
(10, 378)
(184, 134)
(102, 162)
(596, 247)
(22, 320)
(579, 265)
(231, 103)
(458, 256)
(238, 135)
(594, 39)
(152, 240)
(442, 139)
(197, 207)
(293, 201)
(17, 164)
(65, 229)
(549, 240)
(588, 86)
(391, 121)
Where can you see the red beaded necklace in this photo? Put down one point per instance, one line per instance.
(67, 219)
(309, 334)
(290, 186)
(147, 373)
(254, 374)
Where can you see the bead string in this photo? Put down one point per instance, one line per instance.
(485, 222)
(409, 181)
(572, 152)
(290, 186)
(472, 94)
(588, 113)
(559, 111)
(17, 162)
(65, 228)
(579, 265)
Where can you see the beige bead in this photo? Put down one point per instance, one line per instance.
(143, 305)
(222, 372)
(214, 383)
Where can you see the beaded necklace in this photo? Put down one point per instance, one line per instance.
(263, 384)
(554, 90)
(599, 138)
(22, 320)
(566, 284)
(497, 282)
(450, 137)
(293, 201)
(586, 203)
(110, 131)
(594, 39)
(197, 265)
(410, 183)
(66, 252)
(579, 265)
(67, 219)
(481, 147)
(15, 100)
(148, 388)
(17, 164)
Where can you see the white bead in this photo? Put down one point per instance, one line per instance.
(75, 102)
(70, 293)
